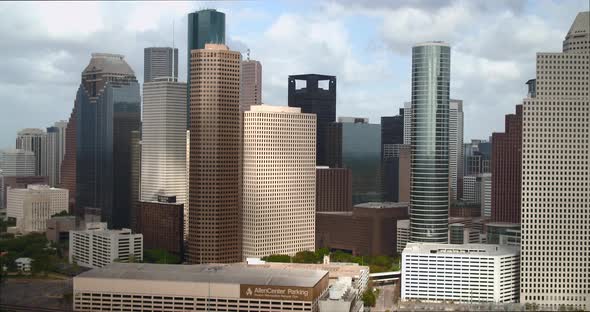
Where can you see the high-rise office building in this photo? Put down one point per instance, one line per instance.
(214, 216)
(204, 26)
(555, 172)
(455, 146)
(306, 92)
(56, 147)
(34, 140)
(278, 197)
(333, 189)
(486, 194)
(163, 141)
(159, 62)
(407, 113)
(68, 164)
(134, 197)
(250, 84)
(17, 162)
(354, 143)
(392, 137)
(108, 110)
(507, 170)
(429, 203)
(477, 157)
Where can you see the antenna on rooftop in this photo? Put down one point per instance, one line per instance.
(173, 54)
(248, 54)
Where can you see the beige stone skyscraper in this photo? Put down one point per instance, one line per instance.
(278, 180)
(250, 84)
(555, 267)
(214, 216)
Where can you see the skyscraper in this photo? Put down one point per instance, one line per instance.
(392, 137)
(204, 26)
(455, 146)
(34, 140)
(555, 267)
(314, 98)
(68, 164)
(250, 84)
(163, 141)
(56, 147)
(17, 162)
(214, 216)
(159, 62)
(429, 203)
(407, 123)
(279, 184)
(507, 170)
(107, 113)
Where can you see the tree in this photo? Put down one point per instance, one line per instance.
(62, 213)
(277, 258)
(305, 256)
(160, 256)
(369, 298)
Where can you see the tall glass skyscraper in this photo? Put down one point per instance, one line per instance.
(108, 111)
(429, 211)
(204, 26)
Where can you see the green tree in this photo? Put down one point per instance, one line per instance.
(277, 258)
(160, 256)
(305, 256)
(62, 213)
(369, 298)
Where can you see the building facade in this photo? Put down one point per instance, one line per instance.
(507, 170)
(17, 162)
(403, 235)
(278, 197)
(392, 137)
(470, 273)
(455, 147)
(486, 194)
(163, 140)
(214, 215)
(97, 246)
(250, 84)
(162, 226)
(34, 205)
(370, 229)
(56, 147)
(315, 98)
(159, 62)
(219, 287)
(429, 200)
(407, 123)
(555, 172)
(333, 189)
(18, 182)
(68, 164)
(354, 143)
(34, 140)
(107, 113)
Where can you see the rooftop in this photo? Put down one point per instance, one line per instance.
(273, 109)
(581, 24)
(382, 205)
(432, 43)
(460, 249)
(335, 270)
(212, 273)
(109, 63)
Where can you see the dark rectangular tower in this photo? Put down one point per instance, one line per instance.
(392, 137)
(315, 99)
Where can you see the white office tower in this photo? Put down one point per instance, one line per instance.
(163, 142)
(56, 148)
(470, 273)
(407, 123)
(97, 246)
(555, 177)
(17, 162)
(34, 205)
(485, 184)
(34, 140)
(278, 181)
(455, 145)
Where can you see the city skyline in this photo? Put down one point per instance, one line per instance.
(371, 68)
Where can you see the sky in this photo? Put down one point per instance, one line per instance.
(366, 44)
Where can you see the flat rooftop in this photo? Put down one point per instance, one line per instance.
(382, 205)
(213, 273)
(336, 270)
(460, 249)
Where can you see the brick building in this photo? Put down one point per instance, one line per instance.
(333, 189)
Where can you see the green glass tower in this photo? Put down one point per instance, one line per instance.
(429, 192)
(204, 26)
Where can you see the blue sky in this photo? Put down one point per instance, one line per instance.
(365, 44)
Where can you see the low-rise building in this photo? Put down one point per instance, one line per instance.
(97, 246)
(58, 228)
(370, 229)
(341, 297)
(206, 287)
(34, 205)
(460, 273)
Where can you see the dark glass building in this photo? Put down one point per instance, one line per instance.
(108, 111)
(429, 193)
(315, 99)
(356, 145)
(392, 136)
(204, 26)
